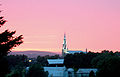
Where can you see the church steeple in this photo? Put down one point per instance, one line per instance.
(64, 49)
(64, 42)
(86, 50)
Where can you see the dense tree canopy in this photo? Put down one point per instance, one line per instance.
(109, 67)
(79, 60)
(108, 64)
(43, 59)
(17, 61)
(36, 70)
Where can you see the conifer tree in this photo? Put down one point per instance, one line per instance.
(7, 40)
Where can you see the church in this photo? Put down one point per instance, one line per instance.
(66, 51)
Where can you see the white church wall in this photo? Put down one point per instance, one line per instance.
(55, 71)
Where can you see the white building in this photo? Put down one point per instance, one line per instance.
(66, 51)
(85, 72)
(56, 68)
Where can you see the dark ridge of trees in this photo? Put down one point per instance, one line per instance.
(17, 65)
(17, 61)
(109, 67)
(36, 70)
(107, 62)
(43, 59)
(79, 60)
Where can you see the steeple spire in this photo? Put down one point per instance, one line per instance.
(86, 50)
(64, 42)
(64, 49)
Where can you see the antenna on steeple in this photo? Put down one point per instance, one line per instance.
(64, 35)
(86, 50)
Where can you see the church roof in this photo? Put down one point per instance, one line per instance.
(72, 51)
(55, 61)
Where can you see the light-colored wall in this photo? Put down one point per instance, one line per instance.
(55, 71)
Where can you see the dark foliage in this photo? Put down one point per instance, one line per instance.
(7, 42)
(80, 60)
(91, 74)
(4, 67)
(43, 59)
(108, 64)
(16, 73)
(36, 70)
(16, 62)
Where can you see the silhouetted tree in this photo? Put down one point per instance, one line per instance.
(54, 57)
(17, 61)
(91, 74)
(17, 73)
(79, 60)
(104, 54)
(36, 70)
(42, 60)
(109, 67)
(108, 64)
(4, 67)
(7, 42)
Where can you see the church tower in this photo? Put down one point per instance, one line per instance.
(64, 48)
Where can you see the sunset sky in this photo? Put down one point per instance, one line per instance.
(92, 24)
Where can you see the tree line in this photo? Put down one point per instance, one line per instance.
(107, 62)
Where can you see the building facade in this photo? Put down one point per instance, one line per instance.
(56, 68)
(86, 72)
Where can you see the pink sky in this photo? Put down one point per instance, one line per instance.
(92, 24)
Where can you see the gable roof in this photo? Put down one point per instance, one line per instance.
(87, 70)
(55, 61)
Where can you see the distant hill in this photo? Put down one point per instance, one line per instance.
(32, 54)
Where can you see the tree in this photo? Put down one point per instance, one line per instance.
(17, 65)
(7, 42)
(17, 73)
(108, 64)
(17, 61)
(91, 74)
(42, 60)
(36, 70)
(79, 60)
(4, 67)
(109, 67)
(101, 57)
